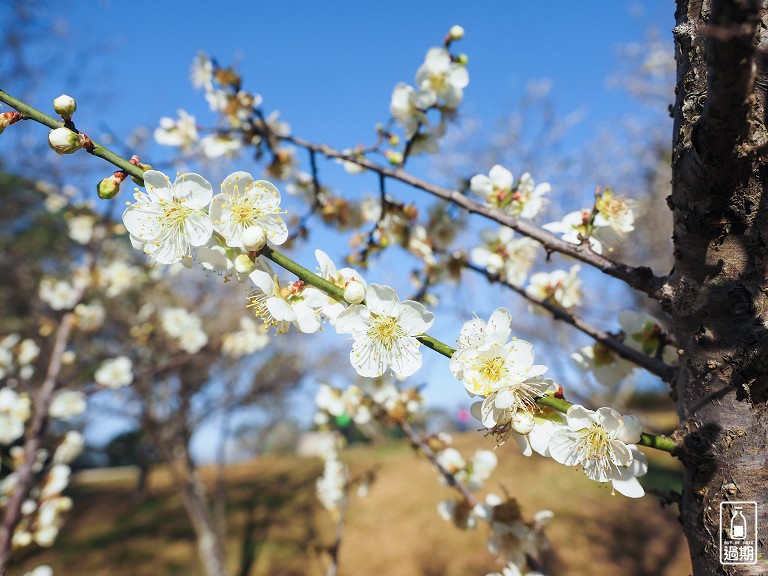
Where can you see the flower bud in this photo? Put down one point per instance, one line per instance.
(456, 33)
(244, 264)
(394, 140)
(65, 106)
(64, 141)
(462, 59)
(8, 118)
(395, 158)
(254, 238)
(354, 292)
(108, 188)
(522, 422)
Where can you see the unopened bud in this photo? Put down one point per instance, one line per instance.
(64, 141)
(395, 158)
(254, 238)
(109, 187)
(244, 264)
(354, 292)
(8, 118)
(456, 33)
(394, 140)
(462, 59)
(522, 422)
(65, 106)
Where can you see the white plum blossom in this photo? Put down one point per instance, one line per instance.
(524, 199)
(70, 448)
(244, 203)
(59, 294)
(558, 287)
(496, 188)
(27, 352)
(343, 277)
(81, 228)
(14, 412)
(43, 570)
(608, 367)
(201, 72)
(117, 277)
(217, 146)
(614, 212)
(601, 443)
(115, 373)
(504, 254)
(575, 227)
(181, 132)
(642, 332)
(488, 362)
(528, 199)
(440, 80)
(67, 404)
(90, 317)
(332, 485)
(215, 258)
(384, 332)
(250, 338)
(185, 327)
(280, 306)
(169, 219)
(404, 109)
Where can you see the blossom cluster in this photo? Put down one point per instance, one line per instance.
(512, 540)
(500, 369)
(42, 511)
(611, 217)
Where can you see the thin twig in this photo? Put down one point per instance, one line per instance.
(653, 365)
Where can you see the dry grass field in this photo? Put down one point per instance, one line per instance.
(277, 528)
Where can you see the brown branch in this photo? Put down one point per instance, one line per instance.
(419, 443)
(25, 473)
(653, 365)
(641, 278)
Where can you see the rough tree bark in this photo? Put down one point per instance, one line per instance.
(717, 292)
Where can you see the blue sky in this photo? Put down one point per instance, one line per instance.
(330, 67)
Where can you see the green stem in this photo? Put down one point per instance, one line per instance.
(650, 440)
(30, 113)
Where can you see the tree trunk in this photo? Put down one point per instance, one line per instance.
(717, 293)
(210, 546)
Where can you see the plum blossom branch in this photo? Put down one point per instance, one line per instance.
(418, 443)
(640, 278)
(659, 442)
(653, 365)
(35, 432)
(30, 113)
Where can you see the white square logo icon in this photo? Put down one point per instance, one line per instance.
(738, 533)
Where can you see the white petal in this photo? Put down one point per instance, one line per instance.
(499, 326)
(354, 320)
(157, 185)
(579, 417)
(630, 487)
(382, 300)
(415, 318)
(195, 189)
(563, 447)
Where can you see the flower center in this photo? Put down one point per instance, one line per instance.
(492, 368)
(244, 212)
(175, 213)
(594, 443)
(385, 330)
(438, 81)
